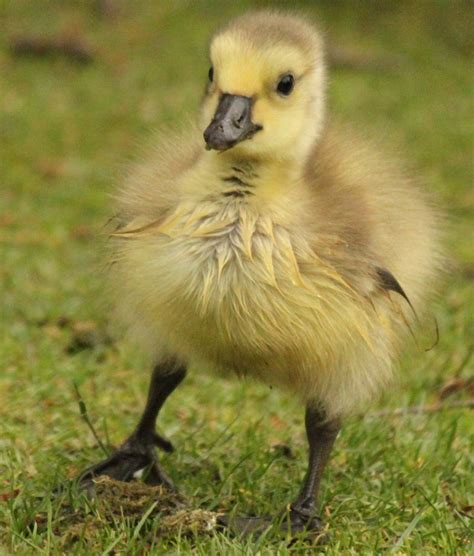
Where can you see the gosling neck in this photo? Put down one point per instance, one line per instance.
(251, 176)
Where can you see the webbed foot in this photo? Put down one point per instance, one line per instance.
(292, 522)
(135, 458)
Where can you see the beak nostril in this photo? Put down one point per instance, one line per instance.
(238, 121)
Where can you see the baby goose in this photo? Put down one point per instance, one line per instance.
(286, 249)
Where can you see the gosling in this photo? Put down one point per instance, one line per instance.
(279, 247)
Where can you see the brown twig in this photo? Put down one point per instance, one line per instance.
(72, 47)
(347, 58)
(418, 409)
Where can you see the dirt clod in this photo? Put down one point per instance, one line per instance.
(166, 512)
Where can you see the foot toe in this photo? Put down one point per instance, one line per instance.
(290, 523)
(121, 466)
(125, 465)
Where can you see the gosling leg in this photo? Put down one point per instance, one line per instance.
(137, 454)
(302, 514)
(321, 434)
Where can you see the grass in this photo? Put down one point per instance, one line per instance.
(397, 484)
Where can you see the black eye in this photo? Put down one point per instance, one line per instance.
(211, 74)
(286, 84)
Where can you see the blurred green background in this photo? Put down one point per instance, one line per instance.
(82, 85)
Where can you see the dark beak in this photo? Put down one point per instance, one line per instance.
(231, 124)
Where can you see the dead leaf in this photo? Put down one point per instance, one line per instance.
(82, 232)
(4, 496)
(455, 385)
(6, 219)
(50, 168)
(282, 450)
(86, 335)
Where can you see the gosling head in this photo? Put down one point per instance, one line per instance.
(265, 95)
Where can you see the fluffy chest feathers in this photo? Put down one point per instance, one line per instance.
(221, 252)
(222, 280)
(216, 252)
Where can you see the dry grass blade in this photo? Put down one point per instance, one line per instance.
(85, 417)
(415, 410)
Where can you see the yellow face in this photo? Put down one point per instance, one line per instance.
(286, 92)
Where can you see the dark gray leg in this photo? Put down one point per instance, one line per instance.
(138, 452)
(321, 434)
